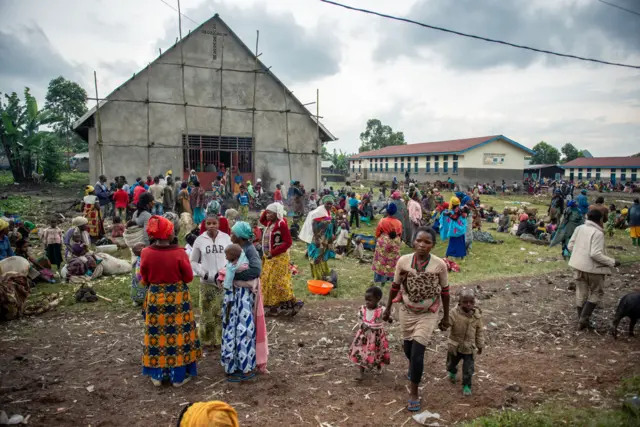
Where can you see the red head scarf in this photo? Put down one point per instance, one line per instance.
(159, 228)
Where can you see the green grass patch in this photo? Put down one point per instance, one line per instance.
(65, 178)
(556, 414)
(20, 205)
(6, 178)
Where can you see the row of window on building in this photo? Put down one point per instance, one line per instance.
(591, 173)
(412, 164)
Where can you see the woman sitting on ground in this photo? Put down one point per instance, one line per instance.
(39, 269)
(77, 233)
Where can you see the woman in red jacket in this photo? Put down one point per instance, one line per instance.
(171, 344)
(277, 289)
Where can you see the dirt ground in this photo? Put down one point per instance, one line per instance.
(83, 368)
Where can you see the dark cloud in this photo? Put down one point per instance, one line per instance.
(295, 53)
(29, 59)
(591, 29)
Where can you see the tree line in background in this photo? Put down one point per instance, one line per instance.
(547, 154)
(36, 140)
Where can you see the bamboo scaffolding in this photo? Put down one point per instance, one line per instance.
(286, 130)
(221, 94)
(319, 141)
(253, 109)
(148, 123)
(184, 93)
(98, 124)
(215, 107)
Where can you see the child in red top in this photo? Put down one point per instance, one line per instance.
(121, 200)
(277, 195)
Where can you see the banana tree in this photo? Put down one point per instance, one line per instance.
(20, 132)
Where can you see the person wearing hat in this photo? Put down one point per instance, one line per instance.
(171, 344)
(91, 211)
(388, 241)
(77, 232)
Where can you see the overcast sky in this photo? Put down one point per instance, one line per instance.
(431, 85)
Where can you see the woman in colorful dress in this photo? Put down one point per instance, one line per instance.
(402, 215)
(207, 258)
(318, 233)
(423, 279)
(198, 203)
(244, 336)
(455, 224)
(91, 211)
(277, 288)
(387, 251)
(171, 344)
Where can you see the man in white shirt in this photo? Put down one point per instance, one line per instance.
(591, 265)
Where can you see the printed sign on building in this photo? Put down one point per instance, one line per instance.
(493, 159)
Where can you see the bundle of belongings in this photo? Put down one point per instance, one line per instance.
(14, 287)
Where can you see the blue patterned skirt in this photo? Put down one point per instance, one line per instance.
(457, 247)
(238, 331)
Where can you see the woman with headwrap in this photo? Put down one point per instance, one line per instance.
(276, 275)
(5, 245)
(571, 219)
(454, 221)
(213, 209)
(318, 232)
(402, 214)
(244, 337)
(298, 199)
(207, 258)
(142, 214)
(525, 226)
(205, 414)
(91, 211)
(171, 344)
(387, 250)
(197, 202)
(78, 233)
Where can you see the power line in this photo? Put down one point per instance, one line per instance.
(533, 49)
(179, 12)
(620, 7)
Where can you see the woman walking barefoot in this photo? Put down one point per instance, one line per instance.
(423, 279)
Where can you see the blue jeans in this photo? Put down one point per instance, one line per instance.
(157, 208)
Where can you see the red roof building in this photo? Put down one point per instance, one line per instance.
(623, 169)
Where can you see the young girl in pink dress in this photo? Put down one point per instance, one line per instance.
(370, 348)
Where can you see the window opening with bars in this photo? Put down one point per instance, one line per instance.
(207, 153)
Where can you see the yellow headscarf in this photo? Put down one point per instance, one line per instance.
(454, 202)
(214, 413)
(88, 190)
(3, 225)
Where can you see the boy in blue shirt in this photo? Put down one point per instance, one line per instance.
(355, 212)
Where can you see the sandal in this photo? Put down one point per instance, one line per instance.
(238, 378)
(413, 405)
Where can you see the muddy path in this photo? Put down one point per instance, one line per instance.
(83, 368)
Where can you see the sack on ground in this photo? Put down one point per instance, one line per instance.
(112, 265)
(133, 235)
(14, 264)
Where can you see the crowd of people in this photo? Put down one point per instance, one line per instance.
(245, 269)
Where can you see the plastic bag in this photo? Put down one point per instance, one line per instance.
(112, 265)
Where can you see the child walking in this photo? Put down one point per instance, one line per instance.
(138, 291)
(370, 348)
(466, 337)
(52, 240)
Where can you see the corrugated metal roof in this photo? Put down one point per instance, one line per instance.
(539, 166)
(453, 146)
(604, 162)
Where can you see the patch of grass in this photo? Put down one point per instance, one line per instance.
(555, 414)
(73, 178)
(558, 415)
(20, 205)
(6, 178)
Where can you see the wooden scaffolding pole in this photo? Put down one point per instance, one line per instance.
(286, 130)
(319, 142)
(184, 94)
(253, 110)
(148, 122)
(221, 96)
(98, 124)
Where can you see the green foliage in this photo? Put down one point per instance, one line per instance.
(68, 101)
(51, 158)
(339, 160)
(378, 136)
(570, 152)
(545, 154)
